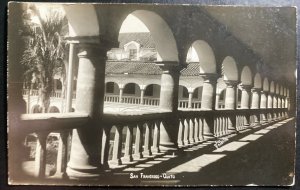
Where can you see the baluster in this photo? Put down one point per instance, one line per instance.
(156, 135)
(196, 128)
(200, 123)
(216, 123)
(62, 154)
(186, 133)
(138, 142)
(117, 150)
(192, 140)
(128, 145)
(105, 147)
(40, 155)
(180, 133)
(148, 137)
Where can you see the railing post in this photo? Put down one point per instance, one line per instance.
(192, 130)
(105, 147)
(186, 132)
(181, 132)
(62, 154)
(40, 155)
(128, 145)
(156, 135)
(147, 142)
(138, 142)
(196, 127)
(117, 150)
(85, 156)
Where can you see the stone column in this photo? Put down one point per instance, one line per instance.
(245, 96)
(169, 102)
(270, 100)
(274, 101)
(217, 101)
(279, 101)
(207, 102)
(255, 98)
(263, 103)
(86, 141)
(209, 91)
(255, 102)
(142, 96)
(190, 99)
(70, 79)
(230, 97)
(121, 87)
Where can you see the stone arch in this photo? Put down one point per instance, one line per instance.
(257, 81)
(200, 51)
(36, 109)
(82, 20)
(183, 92)
(281, 90)
(131, 88)
(197, 93)
(163, 37)
(266, 85)
(112, 87)
(272, 87)
(152, 90)
(229, 69)
(246, 76)
(53, 109)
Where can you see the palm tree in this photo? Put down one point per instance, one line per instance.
(44, 53)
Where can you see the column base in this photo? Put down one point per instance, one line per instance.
(138, 156)
(127, 158)
(168, 147)
(155, 150)
(116, 162)
(92, 173)
(209, 136)
(147, 153)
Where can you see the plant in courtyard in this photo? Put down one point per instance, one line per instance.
(44, 53)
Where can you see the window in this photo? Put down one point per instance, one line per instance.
(132, 54)
(110, 87)
(149, 90)
(129, 88)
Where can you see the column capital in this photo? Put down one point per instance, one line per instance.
(92, 45)
(231, 83)
(170, 66)
(209, 77)
(256, 90)
(246, 87)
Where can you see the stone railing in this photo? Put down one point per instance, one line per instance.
(127, 138)
(130, 137)
(184, 104)
(111, 98)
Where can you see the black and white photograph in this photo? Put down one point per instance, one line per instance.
(108, 94)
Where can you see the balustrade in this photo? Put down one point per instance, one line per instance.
(128, 138)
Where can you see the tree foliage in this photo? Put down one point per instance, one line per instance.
(44, 53)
